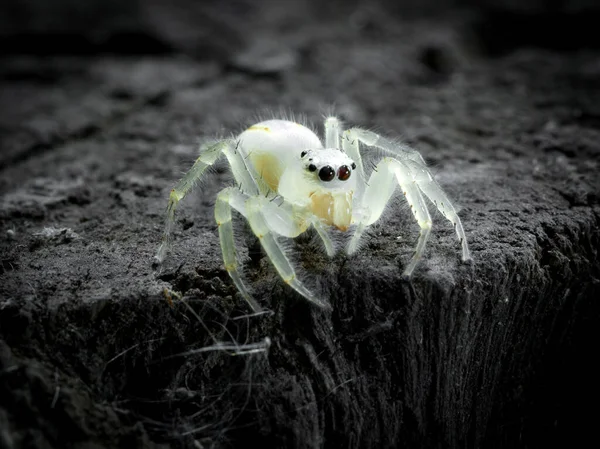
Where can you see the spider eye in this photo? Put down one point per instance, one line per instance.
(353, 166)
(343, 173)
(303, 153)
(312, 167)
(326, 173)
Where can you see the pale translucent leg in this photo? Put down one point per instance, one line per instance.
(284, 220)
(429, 186)
(382, 183)
(332, 132)
(372, 139)
(254, 214)
(209, 153)
(226, 199)
(350, 145)
(324, 235)
(373, 201)
(415, 163)
(419, 208)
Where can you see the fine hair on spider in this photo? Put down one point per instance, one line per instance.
(289, 180)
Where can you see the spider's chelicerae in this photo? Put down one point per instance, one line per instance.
(325, 187)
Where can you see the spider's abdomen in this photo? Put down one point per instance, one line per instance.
(272, 145)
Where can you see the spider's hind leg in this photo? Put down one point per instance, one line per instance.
(209, 153)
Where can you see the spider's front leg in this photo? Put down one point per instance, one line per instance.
(414, 164)
(429, 186)
(383, 181)
(266, 219)
(209, 153)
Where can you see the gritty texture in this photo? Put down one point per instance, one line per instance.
(99, 348)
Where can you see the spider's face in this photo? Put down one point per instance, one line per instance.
(331, 167)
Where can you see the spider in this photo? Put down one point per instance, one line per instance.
(324, 187)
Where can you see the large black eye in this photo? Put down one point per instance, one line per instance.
(326, 173)
(343, 173)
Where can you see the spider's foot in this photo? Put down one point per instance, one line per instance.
(161, 253)
(406, 277)
(468, 260)
(309, 295)
(251, 302)
(466, 257)
(408, 271)
(157, 260)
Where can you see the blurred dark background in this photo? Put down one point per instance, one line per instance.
(215, 29)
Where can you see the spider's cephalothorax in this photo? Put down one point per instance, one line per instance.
(323, 187)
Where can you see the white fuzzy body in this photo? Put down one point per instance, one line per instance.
(274, 149)
(316, 184)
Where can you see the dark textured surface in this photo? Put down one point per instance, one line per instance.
(95, 354)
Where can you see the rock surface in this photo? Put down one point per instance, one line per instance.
(101, 349)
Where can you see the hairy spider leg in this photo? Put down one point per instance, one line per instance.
(387, 174)
(226, 199)
(420, 174)
(288, 221)
(429, 186)
(209, 153)
(372, 139)
(254, 208)
(332, 132)
(323, 234)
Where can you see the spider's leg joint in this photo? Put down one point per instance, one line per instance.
(231, 266)
(290, 279)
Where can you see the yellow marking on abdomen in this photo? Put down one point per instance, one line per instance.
(268, 168)
(259, 128)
